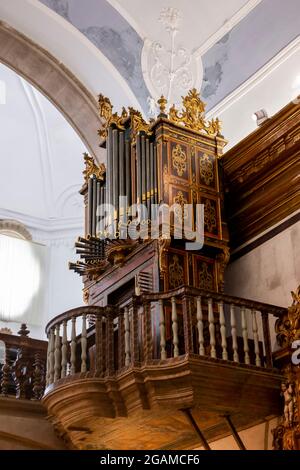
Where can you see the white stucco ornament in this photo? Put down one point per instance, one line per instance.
(168, 68)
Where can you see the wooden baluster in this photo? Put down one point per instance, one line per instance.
(267, 339)
(48, 363)
(127, 337)
(83, 344)
(99, 353)
(73, 347)
(121, 341)
(52, 349)
(109, 343)
(64, 351)
(187, 325)
(5, 380)
(162, 329)
(134, 339)
(212, 337)
(234, 334)
(57, 354)
(200, 327)
(255, 338)
(38, 388)
(175, 327)
(147, 329)
(223, 331)
(245, 336)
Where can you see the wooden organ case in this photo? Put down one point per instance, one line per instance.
(174, 159)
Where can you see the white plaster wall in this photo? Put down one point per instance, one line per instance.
(270, 272)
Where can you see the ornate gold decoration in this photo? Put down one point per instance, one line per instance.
(192, 116)
(179, 159)
(86, 296)
(287, 328)
(162, 103)
(108, 117)
(176, 273)
(163, 245)
(206, 169)
(138, 124)
(92, 169)
(222, 260)
(181, 200)
(206, 280)
(210, 216)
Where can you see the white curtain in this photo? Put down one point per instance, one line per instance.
(23, 267)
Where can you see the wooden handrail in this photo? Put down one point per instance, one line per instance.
(228, 299)
(78, 312)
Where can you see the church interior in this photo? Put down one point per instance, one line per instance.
(150, 230)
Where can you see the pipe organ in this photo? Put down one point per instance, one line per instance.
(173, 161)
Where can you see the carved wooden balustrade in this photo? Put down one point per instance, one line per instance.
(153, 356)
(103, 341)
(22, 375)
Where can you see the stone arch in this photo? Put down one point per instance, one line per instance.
(55, 81)
(15, 229)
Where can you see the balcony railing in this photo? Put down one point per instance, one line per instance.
(159, 328)
(23, 366)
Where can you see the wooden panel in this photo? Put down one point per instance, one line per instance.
(262, 176)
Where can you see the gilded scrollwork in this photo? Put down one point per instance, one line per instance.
(179, 160)
(288, 327)
(181, 201)
(92, 169)
(206, 169)
(176, 273)
(210, 216)
(206, 280)
(193, 116)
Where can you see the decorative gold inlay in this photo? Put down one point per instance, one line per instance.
(206, 169)
(92, 169)
(210, 216)
(206, 280)
(176, 273)
(181, 201)
(192, 116)
(179, 159)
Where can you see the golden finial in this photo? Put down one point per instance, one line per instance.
(162, 103)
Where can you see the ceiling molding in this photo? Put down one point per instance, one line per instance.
(255, 79)
(68, 193)
(227, 26)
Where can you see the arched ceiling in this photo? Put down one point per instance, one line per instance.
(41, 159)
(233, 51)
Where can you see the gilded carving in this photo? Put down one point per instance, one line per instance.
(179, 160)
(210, 216)
(138, 124)
(206, 169)
(108, 117)
(176, 273)
(163, 245)
(192, 115)
(92, 169)
(222, 260)
(206, 280)
(288, 327)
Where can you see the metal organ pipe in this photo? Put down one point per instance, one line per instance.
(122, 186)
(115, 172)
(90, 206)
